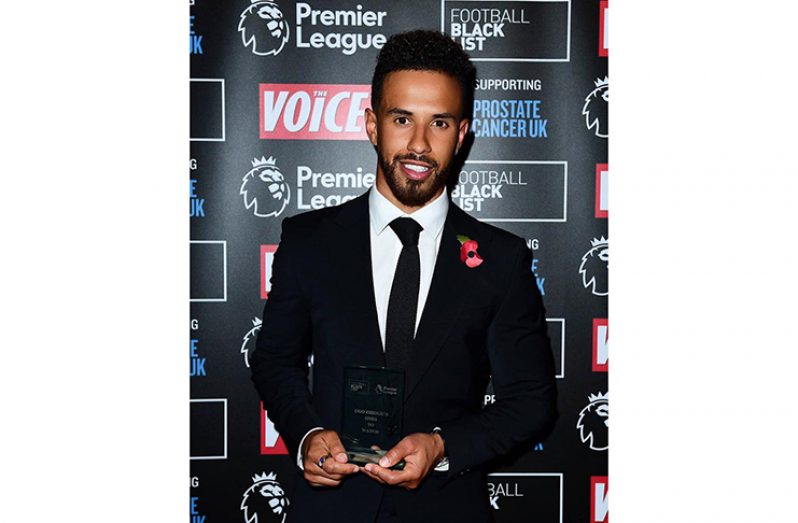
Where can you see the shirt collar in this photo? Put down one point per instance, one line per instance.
(431, 217)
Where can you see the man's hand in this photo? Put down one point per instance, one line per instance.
(421, 453)
(325, 444)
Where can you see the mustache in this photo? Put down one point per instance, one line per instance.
(416, 158)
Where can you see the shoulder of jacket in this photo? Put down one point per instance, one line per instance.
(308, 222)
(500, 238)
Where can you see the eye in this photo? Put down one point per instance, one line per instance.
(402, 120)
(440, 124)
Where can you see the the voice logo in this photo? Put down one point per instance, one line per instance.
(313, 111)
(599, 508)
(266, 259)
(600, 344)
(604, 41)
(602, 190)
(270, 440)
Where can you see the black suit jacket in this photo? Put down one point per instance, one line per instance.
(477, 323)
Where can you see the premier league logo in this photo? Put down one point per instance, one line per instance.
(265, 500)
(593, 422)
(594, 267)
(595, 108)
(248, 345)
(264, 188)
(264, 28)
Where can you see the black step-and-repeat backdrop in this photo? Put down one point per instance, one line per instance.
(278, 91)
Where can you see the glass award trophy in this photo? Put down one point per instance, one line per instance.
(372, 412)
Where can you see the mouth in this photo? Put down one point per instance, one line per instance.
(415, 170)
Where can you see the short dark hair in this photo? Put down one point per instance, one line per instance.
(423, 50)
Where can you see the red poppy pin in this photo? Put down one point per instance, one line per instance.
(468, 252)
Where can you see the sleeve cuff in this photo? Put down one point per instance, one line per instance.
(443, 464)
(299, 460)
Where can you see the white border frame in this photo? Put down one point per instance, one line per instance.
(567, 38)
(224, 121)
(213, 400)
(539, 474)
(564, 163)
(224, 269)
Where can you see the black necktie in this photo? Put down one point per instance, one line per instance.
(403, 303)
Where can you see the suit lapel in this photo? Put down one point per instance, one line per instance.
(444, 301)
(349, 243)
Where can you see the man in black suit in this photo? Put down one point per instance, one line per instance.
(400, 277)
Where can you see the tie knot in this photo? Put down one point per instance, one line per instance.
(407, 229)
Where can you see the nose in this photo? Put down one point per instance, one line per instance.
(419, 143)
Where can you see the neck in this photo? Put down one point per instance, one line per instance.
(384, 190)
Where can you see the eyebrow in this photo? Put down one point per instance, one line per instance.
(404, 112)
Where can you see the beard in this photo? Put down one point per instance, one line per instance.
(413, 193)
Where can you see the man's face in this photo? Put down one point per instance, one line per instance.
(417, 130)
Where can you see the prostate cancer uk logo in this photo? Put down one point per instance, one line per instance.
(596, 108)
(313, 111)
(264, 188)
(265, 500)
(594, 420)
(263, 28)
(595, 265)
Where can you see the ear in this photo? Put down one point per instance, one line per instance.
(371, 125)
(461, 133)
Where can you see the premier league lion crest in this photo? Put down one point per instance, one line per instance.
(594, 267)
(596, 108)
(265, 500)
(263, 28)
(593, 422)
(264, 188)
(248, 345)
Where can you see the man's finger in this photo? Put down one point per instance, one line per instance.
(396, 454)
(320, 481)
(326, 467)
(389, 476)
(372, 475)
(318, 458)
(336, 448)
(331, 466)
(313, 469)
(331, 475)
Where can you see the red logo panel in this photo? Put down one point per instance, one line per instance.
(313, 111)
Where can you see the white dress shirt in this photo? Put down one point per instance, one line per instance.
(385, 250)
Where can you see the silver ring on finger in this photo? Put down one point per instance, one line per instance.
(321, 460)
